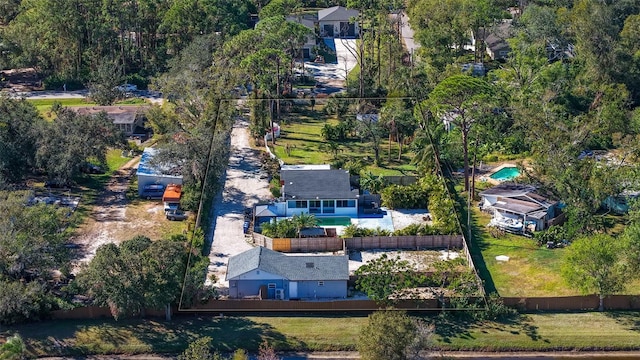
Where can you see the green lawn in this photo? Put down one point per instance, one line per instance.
(301, 132)
(532, 270)
(565, 331)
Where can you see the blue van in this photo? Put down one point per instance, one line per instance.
(152, 191)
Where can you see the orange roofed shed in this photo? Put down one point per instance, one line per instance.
(172, 193)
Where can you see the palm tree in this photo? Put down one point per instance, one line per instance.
(304, 220)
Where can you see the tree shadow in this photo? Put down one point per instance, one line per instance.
(628, 319)
(228, 334)
(457, 326)
(476, 244)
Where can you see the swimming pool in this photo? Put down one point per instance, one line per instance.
(506, 173)
(334, 221)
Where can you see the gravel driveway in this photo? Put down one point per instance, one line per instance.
(243, 188)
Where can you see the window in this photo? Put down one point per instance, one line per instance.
(297, 204)
(271, 286)
(314, 206)
(345, 203)
(320, 283)
(328, 206)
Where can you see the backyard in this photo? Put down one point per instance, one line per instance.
(301, 142)
(531, 271)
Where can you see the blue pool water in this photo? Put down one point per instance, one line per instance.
(506, 173)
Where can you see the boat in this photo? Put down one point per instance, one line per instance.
(507, 223)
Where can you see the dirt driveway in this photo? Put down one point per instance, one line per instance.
(244, 186)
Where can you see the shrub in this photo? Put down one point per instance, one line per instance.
(407, 197)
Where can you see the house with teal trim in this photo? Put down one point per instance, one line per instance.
(317, 191)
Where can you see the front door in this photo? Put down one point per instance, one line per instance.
(293, 290)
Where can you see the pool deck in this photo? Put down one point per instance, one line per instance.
(487, 176)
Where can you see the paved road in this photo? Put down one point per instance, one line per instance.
(407, 35)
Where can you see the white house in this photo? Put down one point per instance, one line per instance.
(518, 206)
(338, 22)
(322, 192)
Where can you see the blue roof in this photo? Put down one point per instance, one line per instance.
(145, 167)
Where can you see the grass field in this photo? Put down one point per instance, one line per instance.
(301, 133)
(544, 332)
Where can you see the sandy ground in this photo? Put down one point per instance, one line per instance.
(243, 188)
(108, 214)
(422, 260)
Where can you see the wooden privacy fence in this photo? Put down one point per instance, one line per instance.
(562, 303)
(405, 242)
(359, 243)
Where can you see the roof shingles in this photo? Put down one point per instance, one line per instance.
(295, 268)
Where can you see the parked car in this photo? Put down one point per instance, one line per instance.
(152, 191)
(176, 215)
(127, 88)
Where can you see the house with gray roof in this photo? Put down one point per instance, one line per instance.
(129, 119)
(268, 274)
(339, 22)
(518, 205)
(322, 192)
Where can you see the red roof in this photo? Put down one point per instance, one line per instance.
(172, 193)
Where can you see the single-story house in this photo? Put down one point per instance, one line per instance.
(274, 275)
(129, 119)
(338, 22)
(154, 174)
(322, 192)
(517, 207)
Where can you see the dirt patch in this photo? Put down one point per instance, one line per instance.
(422, 260)
(115, 219)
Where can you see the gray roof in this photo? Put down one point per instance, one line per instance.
(265, 211)
(337, 13)
(517, 206)
(507, 189)
(317, 184)
(496, 38)
(295, 268)
(119, 114)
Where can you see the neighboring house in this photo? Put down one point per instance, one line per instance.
(129, 119)
(495, 40)
(322, 192)
(517, 207)
(338, 22)
(310, 41)
(153, 174)
(273, 275)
